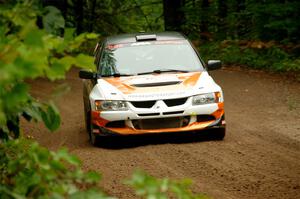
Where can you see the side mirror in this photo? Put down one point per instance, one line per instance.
(83, 74)
(214, 64)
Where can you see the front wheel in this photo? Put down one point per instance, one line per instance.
(219, 133)
(93, 138)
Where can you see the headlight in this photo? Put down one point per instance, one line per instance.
(111, 105)
(207, 98)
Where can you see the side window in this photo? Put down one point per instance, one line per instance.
(108, 62)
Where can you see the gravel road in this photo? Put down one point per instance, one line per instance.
(259, 158)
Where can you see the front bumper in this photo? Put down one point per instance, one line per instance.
(129, 120)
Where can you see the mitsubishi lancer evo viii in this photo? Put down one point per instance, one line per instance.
(151, 83)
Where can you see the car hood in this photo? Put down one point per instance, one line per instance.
(155, 86)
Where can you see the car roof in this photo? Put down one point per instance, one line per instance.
(131, 38)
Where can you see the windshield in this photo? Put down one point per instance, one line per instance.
(143, 57)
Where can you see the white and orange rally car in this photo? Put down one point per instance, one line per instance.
(151, 83)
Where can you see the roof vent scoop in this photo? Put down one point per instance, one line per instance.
(145, 37)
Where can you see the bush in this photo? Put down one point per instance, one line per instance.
(31, 171)
(149, 187)
(255, 55)
(28, 52)
(28, 170)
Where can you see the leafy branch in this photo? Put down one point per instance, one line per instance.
(28, 52)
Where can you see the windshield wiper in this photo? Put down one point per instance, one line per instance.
(164, 71)
(117, 75)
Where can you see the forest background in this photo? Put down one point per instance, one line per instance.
(260, 34)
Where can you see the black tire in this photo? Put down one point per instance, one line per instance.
(219, 133)
(93, 138)
(87, 120)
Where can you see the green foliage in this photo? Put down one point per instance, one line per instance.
(150, 187)
(139, 15)
(28, 170)
(31, 171)
(243, 19)
(111, 17)
(51, 117)
(232, 52)
(275, 20)
(53, 21)
(28, 52)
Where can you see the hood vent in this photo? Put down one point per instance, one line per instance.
(157, 84)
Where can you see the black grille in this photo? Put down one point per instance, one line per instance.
(148, 114)
(175, 102)
(143, 104)
(172, 113)
(161, 123)
(116, 124)
(205, 118)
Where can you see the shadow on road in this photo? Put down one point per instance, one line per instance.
(132, 141)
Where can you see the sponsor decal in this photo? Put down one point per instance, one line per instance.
(115, 46)
(156, 95)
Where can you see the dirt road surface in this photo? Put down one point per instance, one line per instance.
(259, 158)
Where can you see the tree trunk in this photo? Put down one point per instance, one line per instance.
(204, 20)
(64, 9)
(222, 14)
(173, 14)
(92, 16)
(242, 24)
(78, 11)
(240, 5)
